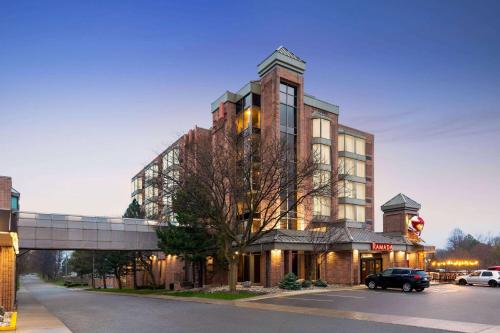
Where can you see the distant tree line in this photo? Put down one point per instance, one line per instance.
(460, 245)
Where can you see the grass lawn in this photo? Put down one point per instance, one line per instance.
(185, 293)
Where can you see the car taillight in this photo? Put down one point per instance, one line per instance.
(417, 277)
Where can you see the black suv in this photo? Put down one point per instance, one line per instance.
(404, 278)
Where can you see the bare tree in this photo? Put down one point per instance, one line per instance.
(244, 189)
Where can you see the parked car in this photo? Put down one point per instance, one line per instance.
(494, 268)
(480, 277)
(404, 278)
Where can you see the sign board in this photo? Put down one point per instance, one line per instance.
(381, 247)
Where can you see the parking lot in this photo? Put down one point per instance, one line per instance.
(473, 304)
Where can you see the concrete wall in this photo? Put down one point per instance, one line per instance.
(68, 232)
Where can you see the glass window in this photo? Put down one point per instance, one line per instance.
(325, 129)
(349, 166)
(350, 212)
(255, 117)
(349, 143)
(360, 213)
(321, 128)
(321, 178)
(14, 203)
(360, 168)
(321, 206)
(360, 146)
(487, 274)
(341, 142)
(290, 116)
(387, 272)
(316, 128)
(321, 153)
(341, 213)
(360, 191)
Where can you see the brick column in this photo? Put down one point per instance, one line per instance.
(277, 267)
(7, 277)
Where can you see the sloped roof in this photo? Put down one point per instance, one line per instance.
(283, 50)
(340, 234)
(400, 201)
(284, 58)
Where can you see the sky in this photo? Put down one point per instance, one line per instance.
(90, 91)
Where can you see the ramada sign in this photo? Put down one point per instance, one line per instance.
(381, 247)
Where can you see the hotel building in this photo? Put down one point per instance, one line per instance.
(276, 105)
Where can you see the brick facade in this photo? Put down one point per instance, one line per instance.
(7, 277)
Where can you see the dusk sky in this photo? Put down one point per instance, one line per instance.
(90, 91)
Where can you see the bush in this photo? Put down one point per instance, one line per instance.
(306, 284)
(320, 283)
(289, 282)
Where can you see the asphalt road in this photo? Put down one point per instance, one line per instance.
(91, 312)
(450, 302)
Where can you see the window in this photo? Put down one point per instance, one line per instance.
(136, 184)
(288, 104)
(248, 113)
(487, 274)
(351, 167)
(351, 212)
(321, 206)
(321, 128)
(321, 178)
(151, 209)
(352, 144)
(151, 192)
(349, 189)
(475, 274)
(360, 146)
(321, 153)
(360, 213)
(14, 203)
(151, 172)
(288, 133)
(387, 272)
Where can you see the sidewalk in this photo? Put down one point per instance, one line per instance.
(32, 317)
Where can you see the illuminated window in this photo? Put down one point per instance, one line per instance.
(352, 144)
(321, 178)
(360, 146)
(349, 189)
(351, 212)
(321, 128)
(360, 213)
(248, 113)
(321, 153)
(349, 166)
(321, 206)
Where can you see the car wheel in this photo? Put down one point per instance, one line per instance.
(407, 287)
(372, 285)
(493, 283)
(419, 290)
(462, 282)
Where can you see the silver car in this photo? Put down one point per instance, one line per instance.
(480, 277)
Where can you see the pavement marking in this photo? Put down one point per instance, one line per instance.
(341, 296)
(448, 325)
